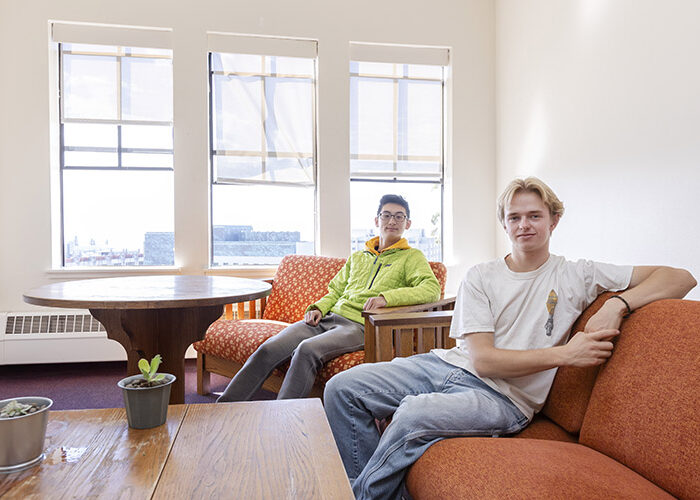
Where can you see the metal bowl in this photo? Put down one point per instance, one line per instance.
(22, 438)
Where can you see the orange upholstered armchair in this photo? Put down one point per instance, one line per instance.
(300, 280)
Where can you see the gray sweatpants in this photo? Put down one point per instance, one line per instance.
(309, 348)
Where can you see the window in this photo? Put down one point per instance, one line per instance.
(397, 139)
(262, 152)
(116, 155)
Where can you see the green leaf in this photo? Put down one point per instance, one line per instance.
(160, 376)
(144, 367)
(155, 363)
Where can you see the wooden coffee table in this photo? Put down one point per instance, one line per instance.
(255, 450)
(151, 315)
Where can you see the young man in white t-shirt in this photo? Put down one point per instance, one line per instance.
(512, 322)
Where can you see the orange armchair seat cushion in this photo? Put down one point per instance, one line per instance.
(339, 364)
(237, 340)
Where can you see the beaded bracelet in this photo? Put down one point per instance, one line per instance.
(629, 309)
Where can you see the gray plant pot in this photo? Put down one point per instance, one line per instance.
(146, 407)
(22, 438)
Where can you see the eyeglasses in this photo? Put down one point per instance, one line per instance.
(386, 216)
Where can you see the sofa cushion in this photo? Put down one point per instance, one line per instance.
(497, 468)
(236, 340)
(643, 411)
(571, 389)
(300, 280)
(543, 428)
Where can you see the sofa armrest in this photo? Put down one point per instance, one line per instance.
(408, 330)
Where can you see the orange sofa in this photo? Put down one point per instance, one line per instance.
(627, 430)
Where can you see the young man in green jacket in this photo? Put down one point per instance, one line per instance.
(387, 273)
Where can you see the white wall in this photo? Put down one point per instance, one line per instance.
(25, 159)
(598, 98)
(601, 99)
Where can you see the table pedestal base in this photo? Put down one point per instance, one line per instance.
(169, 332)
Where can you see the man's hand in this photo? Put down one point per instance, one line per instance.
(374, 303)
(590, 348)
(312, 317)
(608, 317)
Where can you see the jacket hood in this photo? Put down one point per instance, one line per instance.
(371, 245)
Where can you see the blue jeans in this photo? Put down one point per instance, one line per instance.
(309, 348)
(429, 399)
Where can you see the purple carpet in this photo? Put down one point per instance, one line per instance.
(74, 386)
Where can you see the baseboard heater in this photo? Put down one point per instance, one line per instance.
(69, 337)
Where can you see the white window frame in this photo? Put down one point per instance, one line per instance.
(399, 55)
(264, 46)
(120, 37)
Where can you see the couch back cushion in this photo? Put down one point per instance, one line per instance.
(568, 399)
(300, 280)
(643, 410)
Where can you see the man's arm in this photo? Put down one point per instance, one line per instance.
(313, 317)
(419, 285)
(583, 349)
(336, 287)
(648, 283)
(374, 303)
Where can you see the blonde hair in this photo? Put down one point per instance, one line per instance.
(531, 185)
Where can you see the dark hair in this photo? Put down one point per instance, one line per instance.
(394, 198)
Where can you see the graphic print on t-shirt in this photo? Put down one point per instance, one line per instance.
(551, 305)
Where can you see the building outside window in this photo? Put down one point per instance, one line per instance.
(397, 138)
(116, 153)
(262, 149)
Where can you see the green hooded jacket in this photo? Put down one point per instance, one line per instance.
(399, 273)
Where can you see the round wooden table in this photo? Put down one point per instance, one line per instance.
(151, 315)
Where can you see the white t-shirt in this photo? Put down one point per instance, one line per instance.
(529, 310)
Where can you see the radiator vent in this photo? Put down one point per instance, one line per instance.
(23, 324)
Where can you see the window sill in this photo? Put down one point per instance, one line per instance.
(251, 272)
(106, 272)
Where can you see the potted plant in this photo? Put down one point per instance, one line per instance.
(146, 396)
(22, 432)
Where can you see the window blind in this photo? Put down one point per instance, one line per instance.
(157, 38)
(399, 54)
(260, 45)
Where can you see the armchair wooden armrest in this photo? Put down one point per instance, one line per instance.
(442, 304)
(407, 330)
